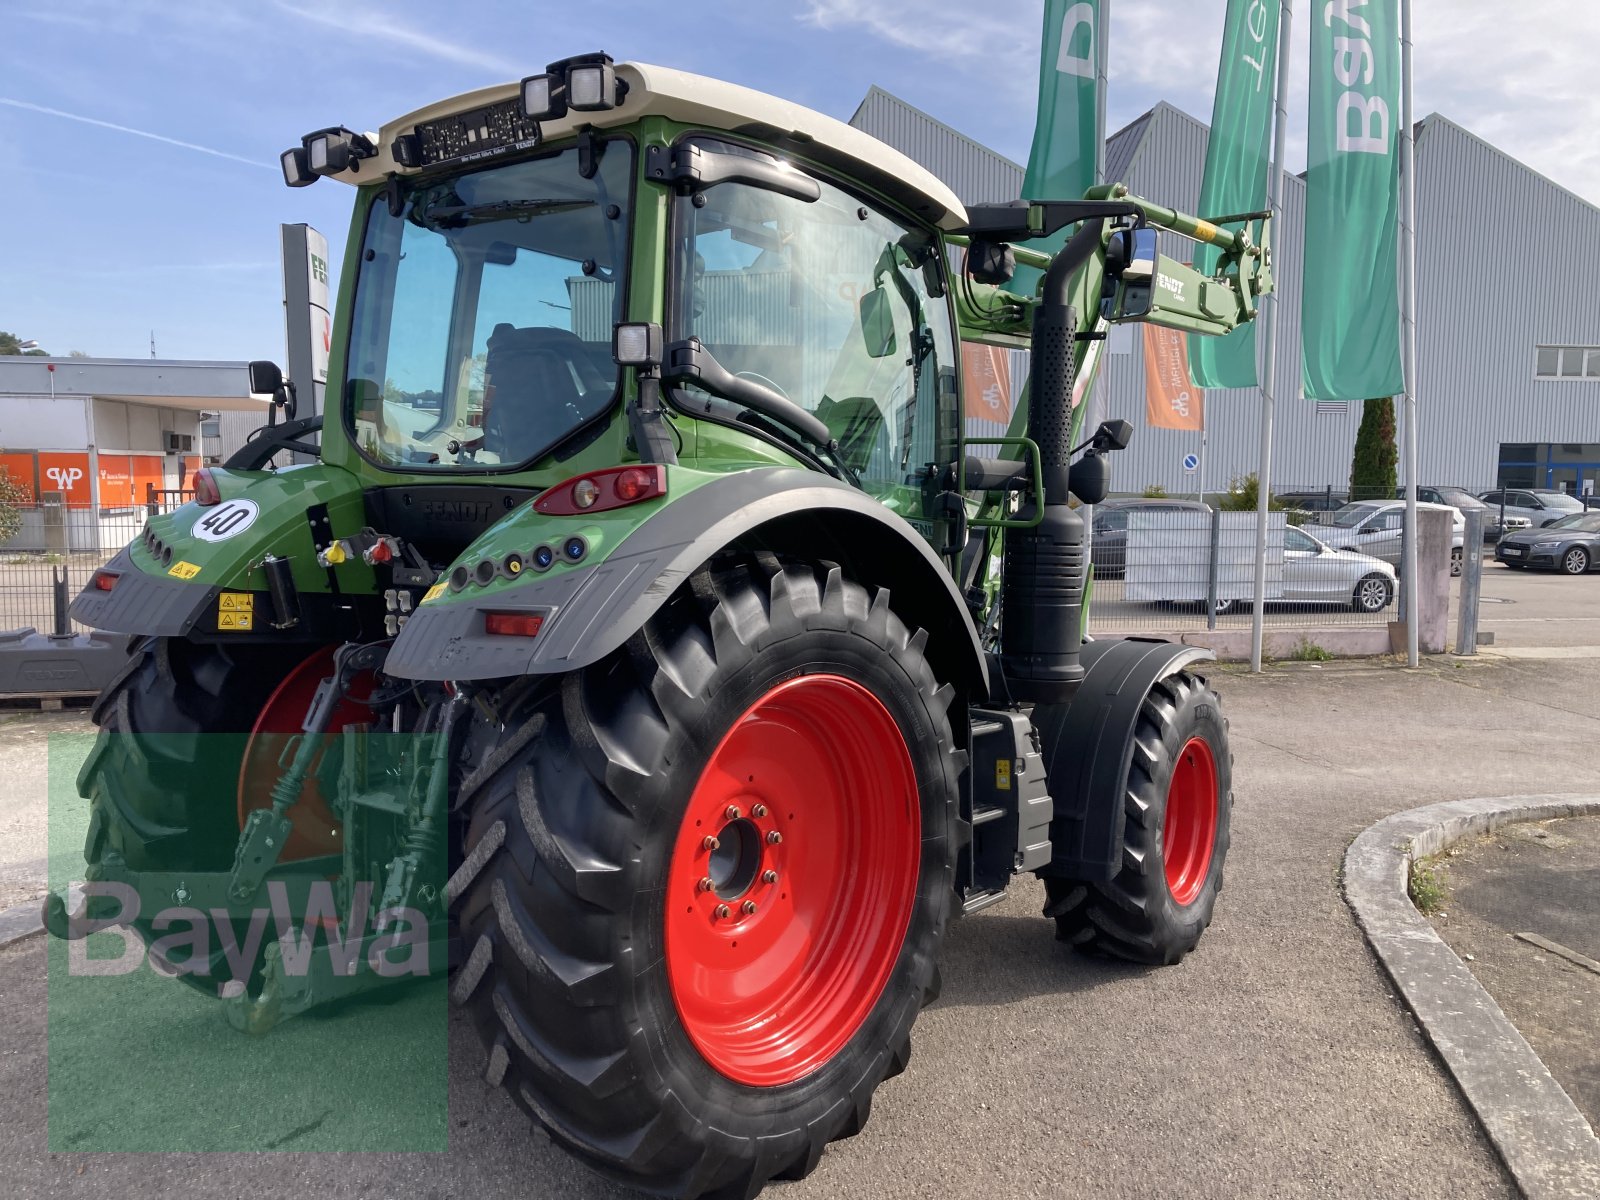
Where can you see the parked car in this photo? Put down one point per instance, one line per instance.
(1571, 545)
(1375, 526)
(1541, 507)
(1314, 572)
(1316, 503)
(1464, 501)
(1109, 550)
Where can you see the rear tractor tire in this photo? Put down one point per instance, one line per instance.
(1177, 801)
(705, 881)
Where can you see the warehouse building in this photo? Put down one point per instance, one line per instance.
(1508, 326)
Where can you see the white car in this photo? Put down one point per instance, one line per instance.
(1317, 574)
(1375, 526)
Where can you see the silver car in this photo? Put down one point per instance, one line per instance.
(1375, 527)
(1317, 574)
(1541, 507)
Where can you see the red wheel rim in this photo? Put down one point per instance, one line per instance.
(1190, 830)
(316, 832)
(780, 940)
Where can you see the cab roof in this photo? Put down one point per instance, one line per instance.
(719, 106)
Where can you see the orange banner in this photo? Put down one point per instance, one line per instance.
(116, 481)
(987, 379)
(148, 471)
(1171, 401)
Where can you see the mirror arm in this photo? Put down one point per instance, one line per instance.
(690, 169)
(690, 362)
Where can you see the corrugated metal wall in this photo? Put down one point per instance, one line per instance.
(1484, 221)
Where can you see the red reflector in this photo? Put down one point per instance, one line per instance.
(615, 487)
(512, 624)
(105, 580)
(206, 492)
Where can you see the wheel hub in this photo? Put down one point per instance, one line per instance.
(792, 880)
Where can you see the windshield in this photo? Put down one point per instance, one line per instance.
(1583, 522)
(1351, 515)
(831, 304)
(483, 314)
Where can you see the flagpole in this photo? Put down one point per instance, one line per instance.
(1408, 335)
(1269, 318)
(1102, 68)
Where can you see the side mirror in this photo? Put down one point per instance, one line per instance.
(1130, 274)
(877, 323)
(1112, 435)
(265, 377)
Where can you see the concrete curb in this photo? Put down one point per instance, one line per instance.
(21, 921)
(1539, 1132)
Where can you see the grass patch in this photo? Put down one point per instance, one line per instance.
(1309, 651)
(1426, 887)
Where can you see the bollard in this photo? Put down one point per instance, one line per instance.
(63, 623)
(1471, 583)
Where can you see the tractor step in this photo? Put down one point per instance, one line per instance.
(987, 813)
(974, 902)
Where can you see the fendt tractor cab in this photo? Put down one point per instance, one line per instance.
(730, 667)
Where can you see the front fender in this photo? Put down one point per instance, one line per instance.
(590, 611)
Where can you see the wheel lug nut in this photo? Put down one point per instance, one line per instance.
(722, 912)
(760, 810)
(774, 838)
(707, 884)
(711, 843)
(748, 908)
(769, 877)
(732, 812)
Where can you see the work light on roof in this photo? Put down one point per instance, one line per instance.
(585, 83)
(296, 171)
(592, 87)
(542, 97)
(332, 151)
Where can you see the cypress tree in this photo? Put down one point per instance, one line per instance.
(1372, 467)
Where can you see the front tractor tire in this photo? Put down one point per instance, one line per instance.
(1177, 803)
(705, 880)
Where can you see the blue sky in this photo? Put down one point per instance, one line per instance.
(111, 234)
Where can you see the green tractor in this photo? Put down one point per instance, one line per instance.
(733, 668)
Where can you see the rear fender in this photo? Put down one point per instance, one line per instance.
(1088, 748)
(590, 610)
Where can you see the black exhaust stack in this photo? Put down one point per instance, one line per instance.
(1045, 567)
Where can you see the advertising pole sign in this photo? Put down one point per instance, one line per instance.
(1236, 168)
(308, 324)
(1067, 129)
(1351, 303)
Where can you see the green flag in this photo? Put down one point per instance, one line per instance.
(1236, 168)
(1350, 314)
(1061, 164)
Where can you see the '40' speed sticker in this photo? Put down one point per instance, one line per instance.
(227, 519)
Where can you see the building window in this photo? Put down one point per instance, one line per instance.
(211, 429)
(1567, 362)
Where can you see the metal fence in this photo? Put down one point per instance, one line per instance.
(1175, 566)
(53, 540)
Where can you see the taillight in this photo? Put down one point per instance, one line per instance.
(206, 492)
(104, 581)
(597, 491)
(512, 624)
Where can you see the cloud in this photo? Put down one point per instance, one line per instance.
(385, 28)
(144, 133)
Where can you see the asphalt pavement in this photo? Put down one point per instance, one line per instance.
(1275, 1061)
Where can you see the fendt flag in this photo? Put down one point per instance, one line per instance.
(1061, 163)
(1236, 168)
(1350, 313)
